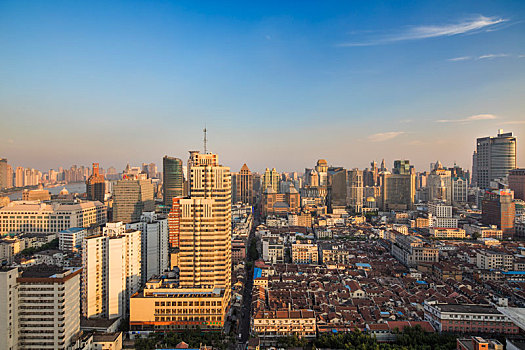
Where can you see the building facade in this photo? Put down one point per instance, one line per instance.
(173, 179)
(96, 185)
(131, 198)
(35, 217)
(495, 158)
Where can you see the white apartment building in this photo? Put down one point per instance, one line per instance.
(273, 251)
(489, 259)
(37, 217)
(112, 271)
(444, 222)
(71, 239)
(440, 209)
(155, 258)
(48, 308)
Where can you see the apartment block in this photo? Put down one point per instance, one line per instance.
(468, 318)
(36, 217)
(70, 240)
(489, 259)
(154, 236)
(48, 307)
(305, 253)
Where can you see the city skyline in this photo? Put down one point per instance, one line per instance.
(349, 83)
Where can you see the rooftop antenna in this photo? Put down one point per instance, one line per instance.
(205, 140)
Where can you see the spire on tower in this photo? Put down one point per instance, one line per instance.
(205, 140)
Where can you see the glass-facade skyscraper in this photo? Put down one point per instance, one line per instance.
(496, 157)
(173, 179)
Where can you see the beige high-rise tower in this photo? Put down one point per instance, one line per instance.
(205, 225)
(200, 238)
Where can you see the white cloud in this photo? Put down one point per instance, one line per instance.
(482, 57)
(492, 55)
(384, 136)
(472, 118)
(466, 26)
(462, 58)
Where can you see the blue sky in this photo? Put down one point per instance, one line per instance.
(278, 85)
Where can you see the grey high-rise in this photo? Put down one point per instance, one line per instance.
(495, 157)
(173, 179)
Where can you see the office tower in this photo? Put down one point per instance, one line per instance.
(337, 188)
(517, 183)
(3, 173)
(9, 308)
(498, 208)
(355, 189)
(242, 186)
(154, 230)
(96, 185)
(202, 225)
(50, 218)
(270, 178)
(397, 191)
(112, 271)
(173, 179)
(322, 172)
(131, 198)
(402, 167)
(459, 190)
(439, 184)
(49, 312)
(496, 157)
(205, 236)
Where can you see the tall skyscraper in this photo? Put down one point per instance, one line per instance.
(3, 173)
(397, 191)
(131, 198)
(337, 187)
(355, 189)
(242, 186)
(96, 185)
(205, 226)
(200, 241)
(173, 179)
(496, 157)
(270, 178)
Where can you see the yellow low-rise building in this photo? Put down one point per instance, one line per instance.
(161, 305)
(445, 232)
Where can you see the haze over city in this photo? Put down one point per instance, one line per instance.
(118, 83)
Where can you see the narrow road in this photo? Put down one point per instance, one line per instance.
(247, 296)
